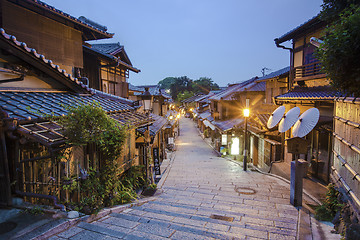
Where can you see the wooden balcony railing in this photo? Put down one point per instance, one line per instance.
(307, 71)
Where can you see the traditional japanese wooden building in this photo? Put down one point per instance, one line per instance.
(160, 99)
(31, 88)
(308, 88)
(50, 31)
(107, 66)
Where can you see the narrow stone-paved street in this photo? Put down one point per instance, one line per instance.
(204, 197)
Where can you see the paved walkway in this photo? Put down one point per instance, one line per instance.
(204, 197)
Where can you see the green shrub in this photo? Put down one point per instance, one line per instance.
(330, 206)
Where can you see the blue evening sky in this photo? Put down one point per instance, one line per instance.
(226, 40)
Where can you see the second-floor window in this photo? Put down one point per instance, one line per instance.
(309, 54)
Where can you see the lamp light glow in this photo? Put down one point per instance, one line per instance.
(246, 112)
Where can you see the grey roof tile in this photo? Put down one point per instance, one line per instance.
(310, 93)
(227, 124)
(36, 105)
(277, 73)
(292, 33)
(111, 57)
(228, 93)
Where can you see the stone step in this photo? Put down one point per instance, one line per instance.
(98, 229)
(181, 228)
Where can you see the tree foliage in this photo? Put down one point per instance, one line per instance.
(331, 9)
(89, 124)
(183, 87)
(184, 95)
(204, 85)
(340, 52)
(166, 82)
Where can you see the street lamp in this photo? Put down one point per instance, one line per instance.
(246, 113)
(146, 99)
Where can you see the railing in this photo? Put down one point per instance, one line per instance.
(307, 70)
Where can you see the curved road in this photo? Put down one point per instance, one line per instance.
(204, 197)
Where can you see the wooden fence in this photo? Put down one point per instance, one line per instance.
(346, 149)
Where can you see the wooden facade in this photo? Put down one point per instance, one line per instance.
(33, 86)
(107, 70)
(308, 88)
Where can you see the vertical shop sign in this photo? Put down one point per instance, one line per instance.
(156, 161)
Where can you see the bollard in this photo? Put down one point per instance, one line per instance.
(296, 182)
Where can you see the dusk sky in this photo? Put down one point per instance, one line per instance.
(226, 40)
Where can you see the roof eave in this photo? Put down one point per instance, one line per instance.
(62, 17)
(314, 22)
(38, 61)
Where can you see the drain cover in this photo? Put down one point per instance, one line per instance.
(7, 227)
(245, 190)
(224, 218)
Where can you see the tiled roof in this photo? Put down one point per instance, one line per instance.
(275, 74)
(310, 93)
(314, 21)
(111, 57)
(190, 99)
(135, 88)
(131, 118)
(171, 113)
(205, 115)
(153, 89)
(33, 105)
(263, 118)
(227, 124)
(205, 98)
(158, 123)
(67, 17)
(113, 97)
(228, 93)
(164, 94)
(108, 48)
(257, 87)
(11, 40)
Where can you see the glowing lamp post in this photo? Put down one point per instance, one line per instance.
(146, 99)
(246, 113)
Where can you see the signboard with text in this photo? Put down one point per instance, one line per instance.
(224, 139)
(156, 161)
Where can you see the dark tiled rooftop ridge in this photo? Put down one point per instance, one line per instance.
(34, 105)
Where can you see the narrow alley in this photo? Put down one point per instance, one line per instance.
(203, 197)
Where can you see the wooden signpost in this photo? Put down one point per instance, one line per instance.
(297, 146)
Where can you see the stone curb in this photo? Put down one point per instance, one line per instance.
(166, 173)
(89, 218)
(104, 212)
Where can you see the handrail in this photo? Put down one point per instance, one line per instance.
(307, 70)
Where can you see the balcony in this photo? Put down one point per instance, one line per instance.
(308, 72)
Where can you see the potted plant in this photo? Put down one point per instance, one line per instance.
(149, 190)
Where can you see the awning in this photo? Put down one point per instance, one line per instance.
(48, 133)
(227, 125)
(209, 124)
